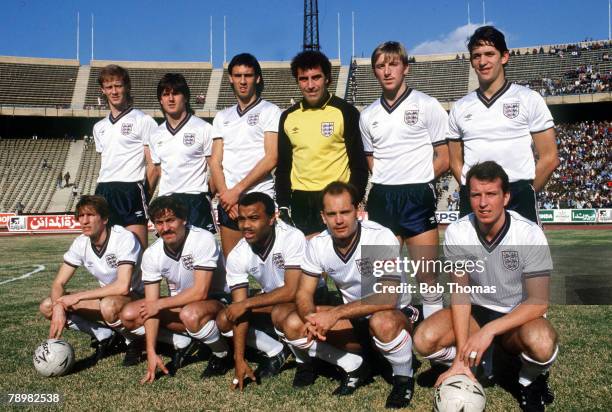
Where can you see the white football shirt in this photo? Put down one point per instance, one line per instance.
(284, 251)
(242, 132)
(120, 248)
(401, 137)
(500, 129)
(349, 271)
(198, 252)
(520, 251)
(120, 141)
(182, 153)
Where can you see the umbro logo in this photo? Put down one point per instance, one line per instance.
(352, 382)
(225, 123)
(375, 124)
(467, 117)
(295, 129)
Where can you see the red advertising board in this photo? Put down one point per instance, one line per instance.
(4, 219)
(44, 223)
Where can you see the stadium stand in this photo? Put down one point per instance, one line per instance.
(32, 82)
(145, 75)
(584, 177)
(86, 178)
(280, 86)
(446, 80)
(22, 175)
(561, 70)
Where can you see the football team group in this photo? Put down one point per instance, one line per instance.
(290, 185)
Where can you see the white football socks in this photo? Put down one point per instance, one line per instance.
(445, 356)
(262, 341)
(95, 329)
(531, 369)
(398, 353)
(210, 336)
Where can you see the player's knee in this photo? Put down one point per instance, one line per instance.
(292, 326)
(278, 315)
(424, 340)
(540, 342)
(385, 325)
(129, 314)
(46, 308)
(110, 309)
(190, 318)
(223, 323)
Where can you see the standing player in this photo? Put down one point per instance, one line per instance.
(515, 267)
(122, 138)
(181, 145)
(499, 121)
(112, 255)
(334, 333)
(272, 252)
(186, 256)
(404, 138)
(318, 143)
(244, 150)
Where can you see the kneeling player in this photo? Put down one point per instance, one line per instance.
(514, 260)
(335, 334)
(111, 255)
(186, 257)
(272, 252)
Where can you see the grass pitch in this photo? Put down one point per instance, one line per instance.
(581, 377)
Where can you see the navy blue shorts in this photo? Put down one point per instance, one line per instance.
(200, 212)
(408, 210)
(127, 201)
(522, 200)
(225, 220)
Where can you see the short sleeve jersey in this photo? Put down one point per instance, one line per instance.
(519, 251)
(500, 129)
(401, 137)
(182, 153)
(242, 132)
(120, 248)
(346, 269)
(120, 141)
(198, 252)
(285, 250)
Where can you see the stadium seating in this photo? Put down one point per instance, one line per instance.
(145, 78)
(446, 80)
(22, 177)
(280, 86)
(37, 82)
(85, 180)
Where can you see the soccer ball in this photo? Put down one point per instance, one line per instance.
(459, 393)
(54, 357)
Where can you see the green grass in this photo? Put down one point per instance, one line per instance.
(581, 377)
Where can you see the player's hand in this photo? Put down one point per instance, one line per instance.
(235, 311)
(148, 309)
(233, 212)
(229, 198)
(285, 216)
(242, 370)
(476, 344)
(153, 362)
(322, 322)
(68, 301)
(457, 368)
(58, 322)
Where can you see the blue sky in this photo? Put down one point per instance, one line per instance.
(272, 30)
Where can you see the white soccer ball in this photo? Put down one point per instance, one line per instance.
(54, 357)
(459, 393)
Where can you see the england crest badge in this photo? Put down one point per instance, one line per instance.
(511, 110)
(327, 128)
(189, 139)
(411, 117)
(510, 259)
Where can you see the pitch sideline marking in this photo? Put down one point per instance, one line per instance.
(39, 268)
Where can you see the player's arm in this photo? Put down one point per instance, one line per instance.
(153, 171)
(534, 307)
(304, 297)
(282, 181)
(284, 294)
(151, 325)
(241, 328)
(455, 156)
(370, 160)
(441, 160)
(58, 316)
(548, 157)
(358, 164)
(202, 279)
(216, 165)
(261, 169)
